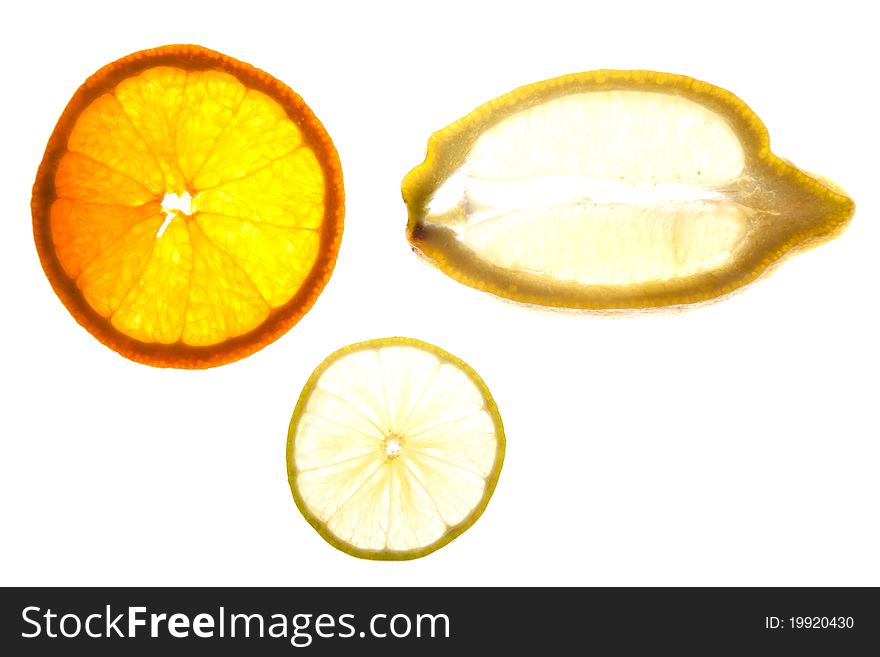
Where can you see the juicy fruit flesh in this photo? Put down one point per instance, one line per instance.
(648, 194)
(629, 187)
(393, 448)
(188, 207)
(596, 243)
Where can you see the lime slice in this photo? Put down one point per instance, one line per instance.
(394, 449)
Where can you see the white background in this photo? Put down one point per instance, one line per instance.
(734, 444)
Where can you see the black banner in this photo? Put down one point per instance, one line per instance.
(115, 621)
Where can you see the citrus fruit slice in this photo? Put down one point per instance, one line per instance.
(189, 207)
(613, 190)
(394, 449)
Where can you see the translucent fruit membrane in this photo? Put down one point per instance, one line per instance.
(394, 449)
(613, 190)
(188, 206)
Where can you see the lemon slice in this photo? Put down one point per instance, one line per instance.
(394, 449)
(613, 190)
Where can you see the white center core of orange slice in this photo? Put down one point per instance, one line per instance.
(173, 204)
(178, 203)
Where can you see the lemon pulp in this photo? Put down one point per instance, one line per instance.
(394, 448)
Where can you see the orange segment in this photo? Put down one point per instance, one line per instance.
(105, 134)
(155, 306)
(258, 133)
(151, 101)
(210, 100)
(188, 209)
(82, 231)
(116, 270)
(222, 297)
(260, 250)
(81, 177)
(288, 193)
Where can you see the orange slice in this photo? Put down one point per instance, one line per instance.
(613, 191)
(189, 207)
